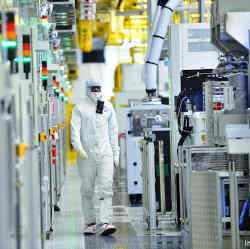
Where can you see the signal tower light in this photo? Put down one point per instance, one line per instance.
(26, 46)
(26, 55)
(9, 33)
(44, 20)
(10, 26)
(44, 70)
(54, 81)
(44, 75)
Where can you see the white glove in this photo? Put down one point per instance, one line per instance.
(116, 161)
(82, 153)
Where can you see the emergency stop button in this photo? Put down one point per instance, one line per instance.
(22, 149)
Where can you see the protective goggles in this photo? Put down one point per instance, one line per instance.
(94, 88)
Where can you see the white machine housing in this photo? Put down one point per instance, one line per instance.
(238, 139)
(134, 143)
(132, 92)
(190, 48)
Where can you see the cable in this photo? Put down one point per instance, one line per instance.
(178, 114)
(162, 3)
(178, 117)
(181, 105)
(186, 131)
(243, 214)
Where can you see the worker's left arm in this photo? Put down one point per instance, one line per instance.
(113, 133)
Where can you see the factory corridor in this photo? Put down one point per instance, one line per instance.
(128, 220)
(151, 98)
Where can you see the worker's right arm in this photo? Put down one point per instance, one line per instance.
(76, 133)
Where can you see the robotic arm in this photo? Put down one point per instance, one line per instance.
(166, 12)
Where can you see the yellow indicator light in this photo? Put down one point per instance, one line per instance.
(21, 149)
(42, 137)
(51, 131)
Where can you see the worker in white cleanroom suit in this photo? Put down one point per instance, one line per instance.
(94, 135)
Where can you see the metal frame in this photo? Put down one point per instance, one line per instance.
(152, 218)
(232, 175)
(205, 207)
(162, 178)
(9, 237)
(234, 206)
(148, 175)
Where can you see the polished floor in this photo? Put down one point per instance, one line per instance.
(131, 233)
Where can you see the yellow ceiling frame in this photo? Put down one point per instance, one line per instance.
(116, 28)
(121, 21)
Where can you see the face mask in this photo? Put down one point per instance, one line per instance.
(95, 96)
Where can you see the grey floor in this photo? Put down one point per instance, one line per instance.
(131, 233)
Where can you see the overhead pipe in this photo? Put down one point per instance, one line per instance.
(202, 10)
(167, 9)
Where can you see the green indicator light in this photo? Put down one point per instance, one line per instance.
(26, 59)
(44, 77)
(54, 88)
(9, 44)
(44, 23)
(69, 86)
(66, 99)
(57, 91)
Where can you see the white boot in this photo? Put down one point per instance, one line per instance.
(107, 229)
(90, 229)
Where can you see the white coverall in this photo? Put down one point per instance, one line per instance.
(97, 134)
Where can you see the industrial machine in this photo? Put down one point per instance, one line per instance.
(34, 84)
(187, 43)
(209, 131)
(211, 135)
(141, 117)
